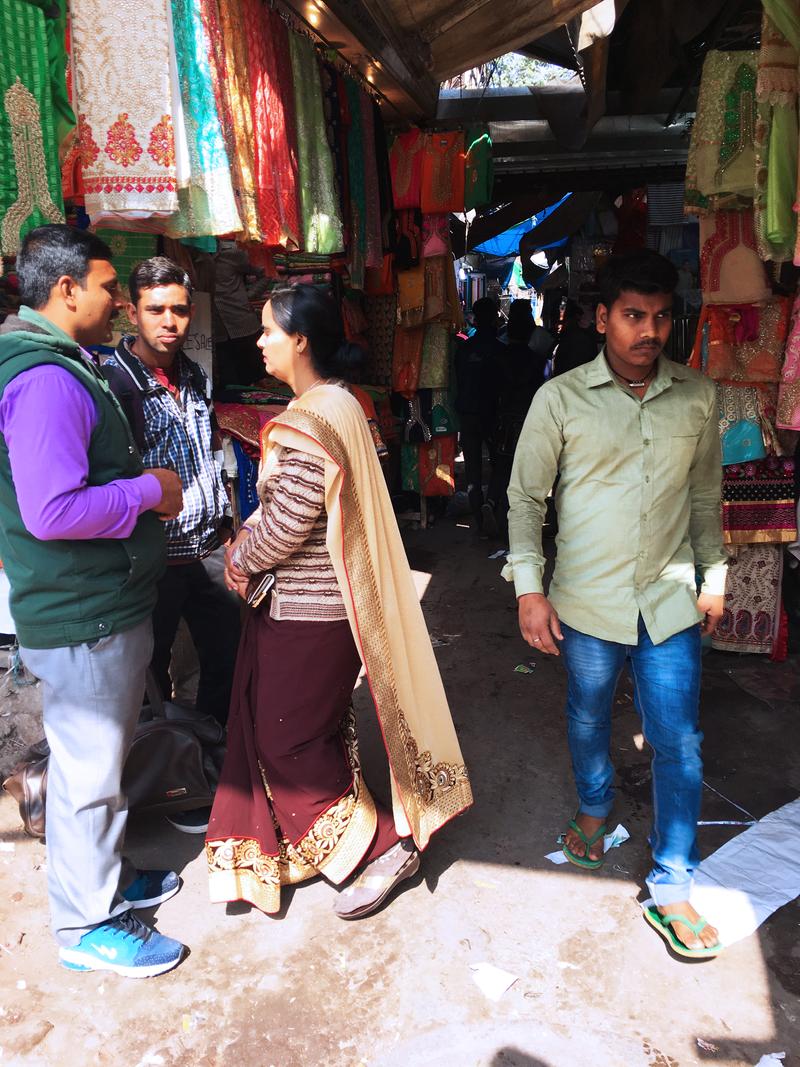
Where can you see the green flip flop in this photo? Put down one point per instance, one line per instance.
(662, 924)
(584, 861)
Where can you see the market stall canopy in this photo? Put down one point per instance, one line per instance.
(407, 49)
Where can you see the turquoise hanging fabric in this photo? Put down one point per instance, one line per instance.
(206, 201)
(322, 225)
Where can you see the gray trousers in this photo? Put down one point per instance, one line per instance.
(92, 699)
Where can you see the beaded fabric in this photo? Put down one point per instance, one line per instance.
(720, 167)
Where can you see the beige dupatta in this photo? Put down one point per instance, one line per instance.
(430, 784)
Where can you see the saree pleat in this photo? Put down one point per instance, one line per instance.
(322, 226)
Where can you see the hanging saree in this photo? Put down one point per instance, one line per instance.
(751, 616)
(443, 173)
(358, 192)
(758, 504)
(236, 87)
(207, 204)
(30, 178)
(405, 160)
(721, 162)
(322, 226)
(254, 843)
(776, 144)
(275, 147)
(128, 140)
(788, 417)
(374, 253)
(381, 312)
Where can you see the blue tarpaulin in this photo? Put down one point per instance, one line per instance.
(507, 243)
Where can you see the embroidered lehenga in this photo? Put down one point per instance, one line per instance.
(292, 802)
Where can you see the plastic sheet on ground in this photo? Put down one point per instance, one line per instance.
(492, 980)
(738, 887)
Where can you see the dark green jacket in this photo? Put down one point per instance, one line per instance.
(66, 592)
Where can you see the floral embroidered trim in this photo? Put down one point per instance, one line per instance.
(27, 144)
(121, 143)
(88, 148)
(162, 142)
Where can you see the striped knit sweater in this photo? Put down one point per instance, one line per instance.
(289, 540)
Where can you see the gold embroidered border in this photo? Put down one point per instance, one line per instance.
(340, 837)
(433, 792)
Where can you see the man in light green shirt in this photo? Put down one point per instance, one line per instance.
(633, 438)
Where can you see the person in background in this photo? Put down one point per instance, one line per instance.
(520, 372)
(577, 339)
(292, 802)
(635, 438)
(83, 549)
(171, 392)
(236, 326)
(477, 362)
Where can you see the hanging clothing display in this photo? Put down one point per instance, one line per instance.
(731, 271)
(758, 504)
(205, 195)
(746, 420)
(721, 162)
(381, 313)
(30, 176)
(776, 143)
(407, 360)
(374, 250)
(757, 357)
(435, 365)
(478, 167)
(405, 158)
(322, 227)
(788, 416)
(357, 182)
(752, 600)
(275, 149)
(443, 173)
(128, 149)
(233, 73)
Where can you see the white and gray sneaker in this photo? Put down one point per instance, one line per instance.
(366, 894)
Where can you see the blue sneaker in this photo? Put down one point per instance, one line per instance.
(151, 888)
(123, 945)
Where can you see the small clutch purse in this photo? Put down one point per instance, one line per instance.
(259, 588)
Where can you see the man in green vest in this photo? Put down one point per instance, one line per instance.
(81, 542)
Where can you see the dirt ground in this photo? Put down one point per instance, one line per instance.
(595, 986)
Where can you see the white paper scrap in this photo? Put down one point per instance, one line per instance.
(613, 840)
(492, 980)
(772, 1059)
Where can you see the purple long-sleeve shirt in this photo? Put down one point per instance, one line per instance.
(47, 418)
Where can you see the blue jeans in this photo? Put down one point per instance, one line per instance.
(666, 680)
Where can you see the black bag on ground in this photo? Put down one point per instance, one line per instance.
(173, 765)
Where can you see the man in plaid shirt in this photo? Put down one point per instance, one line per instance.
(165, 395)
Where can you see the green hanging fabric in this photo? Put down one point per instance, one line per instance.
(30, 177)
(478, 167)
(322, 226)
